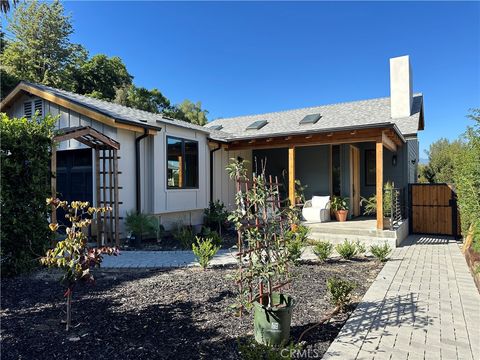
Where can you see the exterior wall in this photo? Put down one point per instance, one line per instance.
(168, 204)
(413, 159)
(313, 169)
(171, 206)
(223, 186)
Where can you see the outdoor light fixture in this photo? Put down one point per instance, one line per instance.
(394, 160)
(413, 161)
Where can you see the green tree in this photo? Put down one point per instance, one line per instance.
(100, 76)
(441, 157)
(467, 176)
(142, 99)
(189, 112)
(40, 50)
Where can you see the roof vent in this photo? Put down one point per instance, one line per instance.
(310, 119)
(216, 127)
(256, 125)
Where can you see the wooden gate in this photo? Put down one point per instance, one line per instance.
(433, 209)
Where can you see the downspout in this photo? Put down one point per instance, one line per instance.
(211, 170)
(137, 169)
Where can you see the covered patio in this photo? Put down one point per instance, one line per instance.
(336, 158)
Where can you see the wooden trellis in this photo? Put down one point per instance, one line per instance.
(106, 178)
(269, 215)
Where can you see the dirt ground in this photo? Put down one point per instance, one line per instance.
(161, 314)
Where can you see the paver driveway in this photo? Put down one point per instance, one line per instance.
(423, 305)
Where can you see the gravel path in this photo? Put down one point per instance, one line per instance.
(157, 314)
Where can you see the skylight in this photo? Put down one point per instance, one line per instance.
(310, 119)
(257, 125)
(216, 127)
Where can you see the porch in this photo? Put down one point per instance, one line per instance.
(351, 164)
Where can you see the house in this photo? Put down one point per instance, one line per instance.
(173, 169)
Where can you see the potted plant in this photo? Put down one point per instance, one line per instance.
(370, 204)
(339, 206)
(140, 225)
(263, 254)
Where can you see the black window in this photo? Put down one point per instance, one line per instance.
(182, 163)
(336, 170)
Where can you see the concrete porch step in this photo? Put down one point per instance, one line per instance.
(335, 229)
(364, 239)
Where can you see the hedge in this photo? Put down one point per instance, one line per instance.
(467, 181)
(25, 184)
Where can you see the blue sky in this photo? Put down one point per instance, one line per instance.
(254, 57)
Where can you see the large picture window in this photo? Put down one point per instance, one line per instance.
(182, 163)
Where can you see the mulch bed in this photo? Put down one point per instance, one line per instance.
(161, 314)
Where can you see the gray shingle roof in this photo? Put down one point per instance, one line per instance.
(119, 112)
(336, 116)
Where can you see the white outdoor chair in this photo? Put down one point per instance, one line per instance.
(317, 209)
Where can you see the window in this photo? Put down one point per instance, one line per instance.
(182, 163)
(370, 168)
(256, 125)
(311, 119)
(32, 107)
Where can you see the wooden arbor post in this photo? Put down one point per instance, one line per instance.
(379, 182)
(53, 181)
(291, 175)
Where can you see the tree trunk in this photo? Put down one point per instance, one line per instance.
(69, 309)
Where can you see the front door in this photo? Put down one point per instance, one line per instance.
(354, 180)
(74, 177)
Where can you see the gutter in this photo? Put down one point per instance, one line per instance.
(137, 170)
(211, 169)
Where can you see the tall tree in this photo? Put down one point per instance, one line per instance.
(189, 112)
(41, 50)
(142, 98)
(441, 158)
(100, 76)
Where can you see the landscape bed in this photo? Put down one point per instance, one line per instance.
(160, 314)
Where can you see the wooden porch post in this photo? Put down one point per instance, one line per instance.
(53, 180)
(291, 175)
(379, 182)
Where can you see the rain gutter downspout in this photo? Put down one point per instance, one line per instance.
(137, 169)
(211, 170)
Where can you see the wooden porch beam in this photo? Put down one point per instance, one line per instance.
(379, 182)
(343, 137)
(388, 143)
(291, 175)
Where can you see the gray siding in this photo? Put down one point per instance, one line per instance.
(312, 169)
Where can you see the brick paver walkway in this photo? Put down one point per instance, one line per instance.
(423, 305)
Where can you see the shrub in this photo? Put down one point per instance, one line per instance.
(361, 249)
(213, 235)
(216, 216)
(295, 240)
(204, 250)
(184, 235)
(347, 249)
(340, 291)
(72, 254)
(381, 252)
(25, 183)
(294, 246)
(140, 225)
(323, 249)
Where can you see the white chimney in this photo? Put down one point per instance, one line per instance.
(400, 87)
